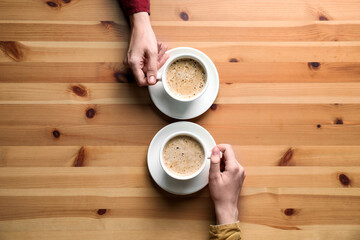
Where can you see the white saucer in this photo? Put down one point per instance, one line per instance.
(179, 187)
(187, 110)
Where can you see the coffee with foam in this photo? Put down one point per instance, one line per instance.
(183, 155)
(185, 78)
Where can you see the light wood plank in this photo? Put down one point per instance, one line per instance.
(229, 72)
(203, 31)
(103, 10)
(255, 10)
(292, 93)
(254, 234)
(63, 72)
(73, 93)
(114, 223)
(65, 31)
(241, 93)
(217, 51)
(111, 135)
(200, 10)
(119, 114)
(135, 177)
(96, 235)
(133, 156)
(307, 205)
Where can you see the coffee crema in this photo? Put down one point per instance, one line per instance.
(185, 78)
(183, 155)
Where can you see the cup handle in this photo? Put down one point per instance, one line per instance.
(159, 76)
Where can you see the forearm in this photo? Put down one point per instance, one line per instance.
(226, 214)
(140, 19)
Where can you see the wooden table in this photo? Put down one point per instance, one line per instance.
(74, 130)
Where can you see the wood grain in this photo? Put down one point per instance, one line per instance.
(133, 156)
(75, 128)
(217, 51)
(241, 93)
(200, 31)
(173, 235)
(164, 10)
(229, 72)
(112, 177)
(120, 114)
(111, 135)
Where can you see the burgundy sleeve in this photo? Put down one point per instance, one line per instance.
(134, 6)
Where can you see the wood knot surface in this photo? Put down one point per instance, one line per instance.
(344, 180)
(233, 60)
(90, 113)
(13, 49)
(101, 211)
(184, 16)
(285, 159)
(213, 107)
(314, 66)
(79, 90)
(57, 4)
(52, 4)
(323, 18)
(80, 158)
(108, 24)
(289, 211)
(339, 121)
(56, 133)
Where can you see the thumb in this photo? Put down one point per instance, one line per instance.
(215, 162)
(151, 69)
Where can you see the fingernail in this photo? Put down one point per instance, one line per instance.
(215, 151)
(152, 79)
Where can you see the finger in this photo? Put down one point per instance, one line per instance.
(139, 76)
(215, 163)
(227, 150)
(151, 67)
(162, 48)
(162, 61)
(229, 156)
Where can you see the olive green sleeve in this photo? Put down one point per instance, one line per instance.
(225, 232)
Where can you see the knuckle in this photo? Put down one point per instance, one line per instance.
(153, 53)
(228, 147)
(132, 61)
(237, 169)
(242, 172)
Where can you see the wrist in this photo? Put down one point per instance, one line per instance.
(139, 19)
(226, 214)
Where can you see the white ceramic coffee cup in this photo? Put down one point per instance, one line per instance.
(187, 177)
(161, 76)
